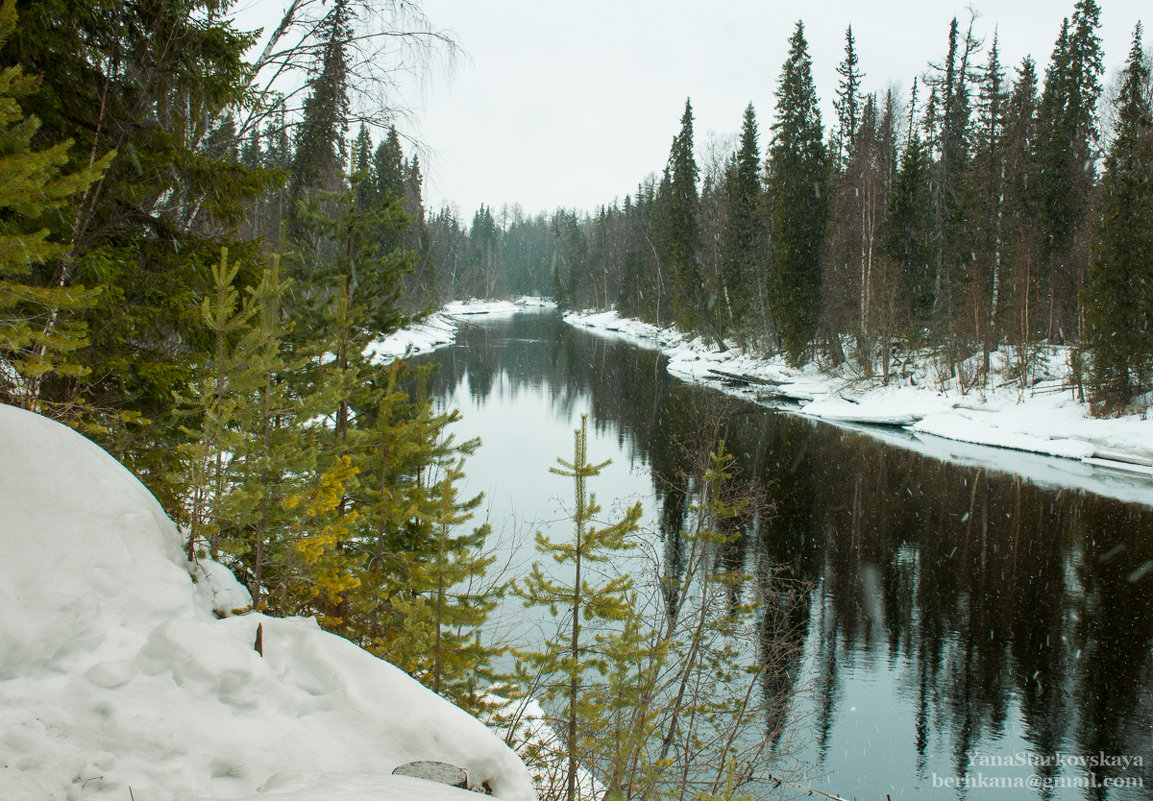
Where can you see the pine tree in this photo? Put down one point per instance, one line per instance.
(263, 487)
(32, 187)
(1120, 285)
(216, 399)
(279, 452)
(665, 697)
(458, 607)
(421, 594)
(566, 656)
(798, 200)
(252, 454)
(149, 82)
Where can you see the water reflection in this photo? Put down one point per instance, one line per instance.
(957, 618)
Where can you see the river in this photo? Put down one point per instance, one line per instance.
(964, 632)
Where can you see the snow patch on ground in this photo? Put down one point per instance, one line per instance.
(439, 329)
(1044, 420)
(118, 678)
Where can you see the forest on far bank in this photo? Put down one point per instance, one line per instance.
(994, 207)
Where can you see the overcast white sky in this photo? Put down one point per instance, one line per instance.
(573, 104)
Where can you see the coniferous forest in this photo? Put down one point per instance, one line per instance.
(194, 261)
(989, 206)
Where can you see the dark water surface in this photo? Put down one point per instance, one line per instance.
(967, 634)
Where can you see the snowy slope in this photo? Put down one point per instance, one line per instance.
(117, 680)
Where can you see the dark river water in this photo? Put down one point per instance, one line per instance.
(963, 632)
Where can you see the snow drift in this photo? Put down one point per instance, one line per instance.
(118, 679)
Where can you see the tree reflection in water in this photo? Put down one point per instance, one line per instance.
(980, 612)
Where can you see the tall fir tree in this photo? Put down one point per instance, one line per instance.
(420, 286)
(388, 161)
(1119, 294)
(484, 277)
(858, 294)
(798, 202)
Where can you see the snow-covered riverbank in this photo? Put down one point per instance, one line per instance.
(1045, 419)
(439, 328)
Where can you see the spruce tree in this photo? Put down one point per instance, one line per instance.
(1021, 220)
(798, 200)
(741, 236)
(388, 162)
(683, 229)
(848, 103)
(320, 155)
(1120, 285)
(420, 286)
(388, 177)
(986, 213)
(953, 148)
(362, 168)
(907, 234)
(1067, 149)
(660, 238)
